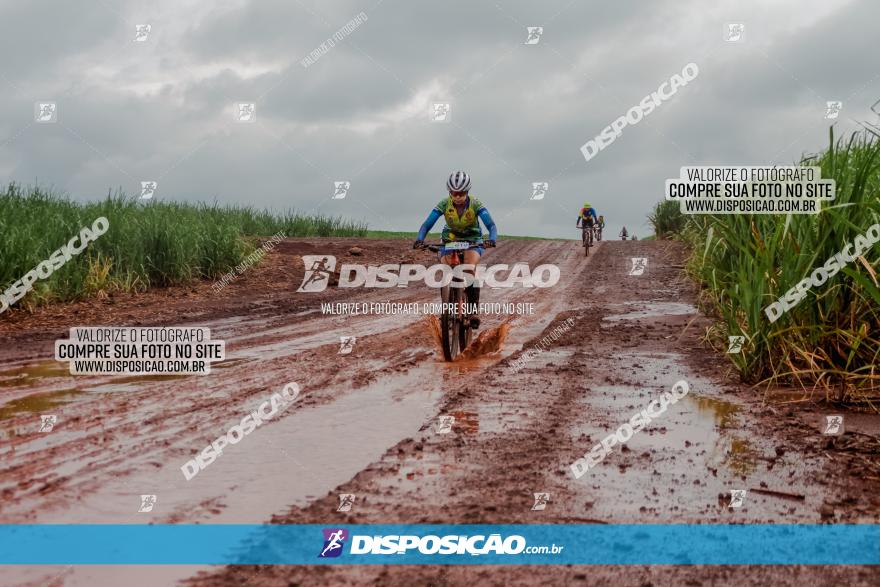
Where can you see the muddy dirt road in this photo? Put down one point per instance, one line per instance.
(365, 423)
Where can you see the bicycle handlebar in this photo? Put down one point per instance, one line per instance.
(435, 247)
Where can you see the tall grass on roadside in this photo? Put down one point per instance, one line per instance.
(667, 219)
(831, 339)
(157, 244)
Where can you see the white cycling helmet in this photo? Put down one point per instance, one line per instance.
(458, 181)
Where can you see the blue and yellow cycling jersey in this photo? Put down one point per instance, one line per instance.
(588, 212)
(464, 226)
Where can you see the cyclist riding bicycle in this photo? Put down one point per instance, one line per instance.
(623, 234)
(587, 216)
(462, 214)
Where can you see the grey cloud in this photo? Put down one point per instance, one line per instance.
(520, 113)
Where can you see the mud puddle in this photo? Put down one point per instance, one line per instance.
(652, 310)
(289, 340)
(289, 462)
(32, 374)
(687, 457)
(37, 403)
(29, 388)
(305, 453)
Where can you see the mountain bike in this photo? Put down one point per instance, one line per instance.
(455, 319)
(587, 237)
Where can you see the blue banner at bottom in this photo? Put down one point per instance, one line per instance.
(487, 544)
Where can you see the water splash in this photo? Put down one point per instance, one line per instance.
(488, 341)
(433, 323)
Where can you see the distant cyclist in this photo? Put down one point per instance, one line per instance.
(587, 216)
(623, 234)
(462, 214)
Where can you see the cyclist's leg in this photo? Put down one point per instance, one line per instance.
(472, 258)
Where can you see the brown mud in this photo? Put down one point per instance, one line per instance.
(365, 422)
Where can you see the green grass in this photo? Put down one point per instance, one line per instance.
(831, 339)
(667, 219)
(150, 244)
(153, 244)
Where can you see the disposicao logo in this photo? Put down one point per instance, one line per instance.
(334, 540)
(319, 268)
(394, 544)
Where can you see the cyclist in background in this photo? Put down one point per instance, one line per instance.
(463, 214)
(623, 234)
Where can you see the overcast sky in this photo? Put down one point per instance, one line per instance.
(164, 109)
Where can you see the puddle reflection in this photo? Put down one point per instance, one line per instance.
(735, 453)
(40, 403)
(722, 412)
(27, 375)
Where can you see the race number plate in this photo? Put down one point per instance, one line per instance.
(457, 246)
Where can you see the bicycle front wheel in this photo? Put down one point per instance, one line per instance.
(450, 325)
